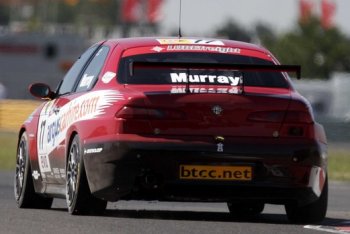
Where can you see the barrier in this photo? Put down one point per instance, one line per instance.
(14, 112)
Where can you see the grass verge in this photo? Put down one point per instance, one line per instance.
(338, 163)
(8, 146)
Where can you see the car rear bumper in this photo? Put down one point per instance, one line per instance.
(149, 168)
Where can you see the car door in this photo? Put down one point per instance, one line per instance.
(51, 126)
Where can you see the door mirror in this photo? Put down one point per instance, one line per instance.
(40, 90)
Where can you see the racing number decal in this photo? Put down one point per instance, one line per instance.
(43, 158)
(182, 41)
(41, 134)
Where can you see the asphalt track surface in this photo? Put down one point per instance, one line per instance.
(164, 217)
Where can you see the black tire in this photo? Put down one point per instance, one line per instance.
(23, 185)
(79, 199)
(244, 210)
(310, 213)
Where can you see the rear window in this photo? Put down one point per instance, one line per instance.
(149, 69)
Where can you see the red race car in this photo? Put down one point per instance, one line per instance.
(174, 119)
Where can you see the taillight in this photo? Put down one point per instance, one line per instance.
(298, 117)
(297, 124)
(294, 123)
(129, 112)
(267, 116)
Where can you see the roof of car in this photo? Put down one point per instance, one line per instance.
(154, 41)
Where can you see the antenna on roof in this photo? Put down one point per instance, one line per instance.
(180, 35)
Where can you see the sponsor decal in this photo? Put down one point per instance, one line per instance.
(157, 49)
(218, 49)
(183, 77)
(190, 41)
(107, 77)
(183, 89)
(53, 127)
(44, 163)
(93, 150)
(48, 107)
(35, 174)
(86, 80)
(62, 173)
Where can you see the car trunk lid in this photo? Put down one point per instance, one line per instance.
(205, 111)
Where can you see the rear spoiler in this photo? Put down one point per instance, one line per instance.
(239, 67)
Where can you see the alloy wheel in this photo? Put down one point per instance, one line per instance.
(20, 168)
(72, 173)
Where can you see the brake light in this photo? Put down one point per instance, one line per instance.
(267, 116)
(298, 117)
(129, 112)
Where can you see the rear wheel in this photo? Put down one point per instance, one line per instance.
(245, 209)
(310, 213)
(79, 199)
(23, 185)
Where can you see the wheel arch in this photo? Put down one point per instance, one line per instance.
(70, 140)
(20, 133)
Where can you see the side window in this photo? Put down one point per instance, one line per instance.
(72, 75)
(91, 73)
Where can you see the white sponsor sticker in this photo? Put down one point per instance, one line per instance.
(157, 49)
(182, 89)
(44, 163)
(205, 79)
(86, 80)
(53, 127)
(36, 175)
(217, 49)
(93, 150)
(190, 41)
(108, 76)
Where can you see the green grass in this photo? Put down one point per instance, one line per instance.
(8, 145)
(338, 163)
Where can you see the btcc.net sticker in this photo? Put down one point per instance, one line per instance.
(201, 172)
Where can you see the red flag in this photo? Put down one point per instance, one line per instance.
(306, 7)
(153, 11)
(129, 11)
(328, 11)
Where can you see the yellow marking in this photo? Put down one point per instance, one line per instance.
(201, 172)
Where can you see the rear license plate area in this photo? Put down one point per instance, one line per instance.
(216, 172)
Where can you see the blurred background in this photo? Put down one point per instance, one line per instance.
(40, 39)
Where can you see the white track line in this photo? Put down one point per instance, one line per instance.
(320, 228)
